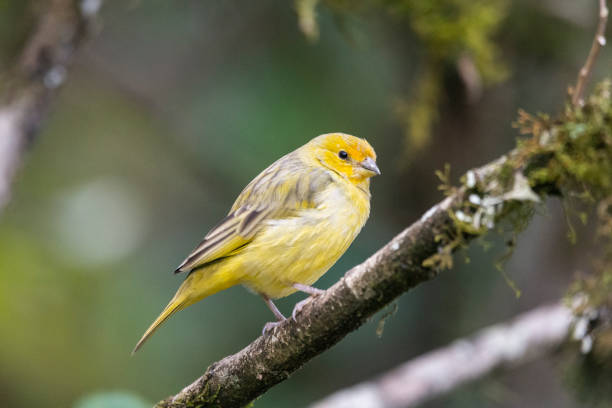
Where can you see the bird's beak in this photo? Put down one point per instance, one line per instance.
(370, 164)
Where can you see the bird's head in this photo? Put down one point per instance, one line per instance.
(347, 155)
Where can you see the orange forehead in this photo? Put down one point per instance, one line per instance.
(357, 148)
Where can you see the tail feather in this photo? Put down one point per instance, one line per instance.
(174, 306)
(195, 287)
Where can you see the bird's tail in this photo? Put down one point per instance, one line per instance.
(195, 287)
(174, 306)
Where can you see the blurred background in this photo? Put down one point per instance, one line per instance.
(171, 108)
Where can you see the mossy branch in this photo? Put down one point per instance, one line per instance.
(41, 68)
(563, 156)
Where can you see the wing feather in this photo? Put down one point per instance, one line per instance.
(278, 192)
(221, 241)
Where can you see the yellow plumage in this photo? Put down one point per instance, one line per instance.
(286, 228)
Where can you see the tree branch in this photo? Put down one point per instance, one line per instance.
(501, 346)
(40, 70)
(598, 42)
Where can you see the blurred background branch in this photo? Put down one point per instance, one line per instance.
(41, 68)
(502, 346)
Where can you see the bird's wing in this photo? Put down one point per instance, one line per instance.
(278, 192)
(231, 234)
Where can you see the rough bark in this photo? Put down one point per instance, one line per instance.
(501, 346)
(34, 80)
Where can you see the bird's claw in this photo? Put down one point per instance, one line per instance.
(269, 326)
(298, 308)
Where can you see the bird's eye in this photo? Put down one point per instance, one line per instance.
(343, 155)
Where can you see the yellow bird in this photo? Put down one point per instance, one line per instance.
(287, 227)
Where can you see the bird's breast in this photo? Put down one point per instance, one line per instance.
(302, 248)
(343, 207)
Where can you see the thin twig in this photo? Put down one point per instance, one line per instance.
(40, 70)
(598, 41)
(505, 345)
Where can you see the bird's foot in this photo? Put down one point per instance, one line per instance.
(298, 308)
(313, 292)
(270, 326)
